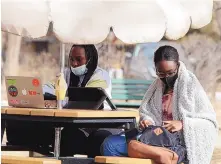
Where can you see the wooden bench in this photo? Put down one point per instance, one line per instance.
(27, 160)
(121, 160)
(29, 148)
(129, 89)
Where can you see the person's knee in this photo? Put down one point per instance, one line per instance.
(95, 141)
(109, 141)
(110, 144)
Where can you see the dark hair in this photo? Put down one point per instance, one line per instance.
(168, 53)
(92, 58)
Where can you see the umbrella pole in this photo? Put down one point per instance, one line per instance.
(62, 56)
(59, 106)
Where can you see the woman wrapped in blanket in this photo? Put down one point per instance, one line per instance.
(83, 72)
(176, 101)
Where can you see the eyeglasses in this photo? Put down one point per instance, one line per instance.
(170, 74)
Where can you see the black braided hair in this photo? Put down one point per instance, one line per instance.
(168, 53)
(92, 58)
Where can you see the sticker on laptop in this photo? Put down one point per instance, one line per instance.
(35, 82)
(11, 81)
(13, 91)
(14, 101)
(32, 93)
(24, 92)
(24, 102)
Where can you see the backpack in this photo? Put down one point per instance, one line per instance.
(158, 144)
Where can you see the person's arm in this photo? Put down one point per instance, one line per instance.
(97, 83)
(145, 114)
(49, 95)
(145, 110)
(49, 88)
(101, 79)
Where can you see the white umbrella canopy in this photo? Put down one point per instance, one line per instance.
(88, 22)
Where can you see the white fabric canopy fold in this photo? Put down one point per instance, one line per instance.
(177, 19)
(89, 22)
(137, 21)
(29, 15)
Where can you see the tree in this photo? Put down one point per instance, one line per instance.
(203, 51)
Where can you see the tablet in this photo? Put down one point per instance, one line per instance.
(87, 98)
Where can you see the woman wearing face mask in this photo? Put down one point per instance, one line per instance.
(176, 101)
(83, 72)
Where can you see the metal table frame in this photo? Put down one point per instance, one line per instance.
(126, 123)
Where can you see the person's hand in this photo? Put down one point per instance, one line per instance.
(173, 126)
(144, 124)
(50, 103)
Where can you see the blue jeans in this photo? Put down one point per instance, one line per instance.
(114, 145)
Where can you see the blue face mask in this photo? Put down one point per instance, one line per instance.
(79, 71)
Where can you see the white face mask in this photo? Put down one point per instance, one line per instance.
(78, 71)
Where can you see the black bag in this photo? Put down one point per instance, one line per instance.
(161, 137)
(29, 133)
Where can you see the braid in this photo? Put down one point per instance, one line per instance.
(92, 55)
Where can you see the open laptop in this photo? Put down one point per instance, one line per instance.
(24, 92)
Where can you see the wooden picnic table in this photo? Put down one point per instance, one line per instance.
(80, 118)
(80, 113)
